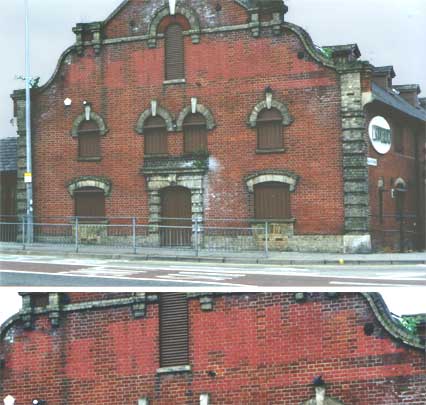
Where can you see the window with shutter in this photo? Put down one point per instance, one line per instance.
(89, 204)
(174, 53)
(174, 346)
(271, 201)
(195, 133)
(89, 139)
(155, 134)
(269, 130)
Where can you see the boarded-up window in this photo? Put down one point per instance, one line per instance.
(173, 330)
(398, 139)
(174, 54)
(89, 140)
(269, 130)
(271, 201)
(155, 134)
(195, 133)
(89, 204)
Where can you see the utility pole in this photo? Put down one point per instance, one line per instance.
(28, 175)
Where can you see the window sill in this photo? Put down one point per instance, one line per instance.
(174, 81)
(175, 369)
(265, 151)
(89, 159)
(273, 221)
(155, 155)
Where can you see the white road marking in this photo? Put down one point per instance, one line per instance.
(99, 271)
(128, 278)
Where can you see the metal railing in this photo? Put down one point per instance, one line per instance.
(137, 235)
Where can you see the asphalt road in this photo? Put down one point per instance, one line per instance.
(45, 271)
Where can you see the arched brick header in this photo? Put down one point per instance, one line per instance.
(93, 117)
(181, 9)
(89, 181)
(162, 112)
(279, 176)
(281, 107)
(201, 109)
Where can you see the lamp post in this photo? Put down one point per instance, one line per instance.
(28, 174)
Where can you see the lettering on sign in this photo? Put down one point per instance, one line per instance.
(380, 135)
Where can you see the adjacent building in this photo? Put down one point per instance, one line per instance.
(8, 181)
(210, 348)
(223, 109)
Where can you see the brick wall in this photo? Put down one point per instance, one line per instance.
(250, 349)
(228, 73)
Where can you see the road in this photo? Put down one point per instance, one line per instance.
(45, 271)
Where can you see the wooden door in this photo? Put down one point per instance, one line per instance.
(176, 217)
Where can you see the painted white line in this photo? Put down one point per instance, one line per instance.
(371, 284)
(184, 276)
(125, 278)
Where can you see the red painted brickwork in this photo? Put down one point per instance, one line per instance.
(262, 348)
(409, 166)
(228, 73)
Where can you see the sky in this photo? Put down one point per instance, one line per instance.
(387, 32)
(401, 301)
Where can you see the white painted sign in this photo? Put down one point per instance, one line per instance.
(380, 135)
(371, 161)
(28, 177)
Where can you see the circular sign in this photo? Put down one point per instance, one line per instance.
(380, 135)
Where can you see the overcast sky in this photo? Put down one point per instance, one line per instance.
(401, 301)
(387, 32)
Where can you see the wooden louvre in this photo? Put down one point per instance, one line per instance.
(89, 203)
(155, 133)
(195, 133)
(174, 54)
(271, 201)
(174, 344)
(89, 140)
(269, 130)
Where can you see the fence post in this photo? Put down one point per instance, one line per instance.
(197, 252)
(266, 240)
(134, 234)
(23, 232)
(76, 234)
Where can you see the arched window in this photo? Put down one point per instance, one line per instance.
(89, 204)
(269, 130)
(155, 133)
(174, 53)
(195, 133)
(272, 201)
(89, 140)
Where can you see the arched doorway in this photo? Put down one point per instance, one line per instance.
(176, 217)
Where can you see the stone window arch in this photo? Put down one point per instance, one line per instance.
(287, 119)
(276, 176)
(181, 10)
(95, 118)
(89, 181)
(200, 109)
(153, 111)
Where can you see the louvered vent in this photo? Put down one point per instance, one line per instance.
(173, 330)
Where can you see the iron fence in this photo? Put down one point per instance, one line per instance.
(137, 235)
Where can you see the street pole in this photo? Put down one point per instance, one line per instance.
(28, 175)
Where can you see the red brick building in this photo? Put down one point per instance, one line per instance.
(222, 109)
(237, 348)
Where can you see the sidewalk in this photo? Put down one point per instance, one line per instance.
(277, 258)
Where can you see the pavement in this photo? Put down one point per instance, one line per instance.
(189, 255)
